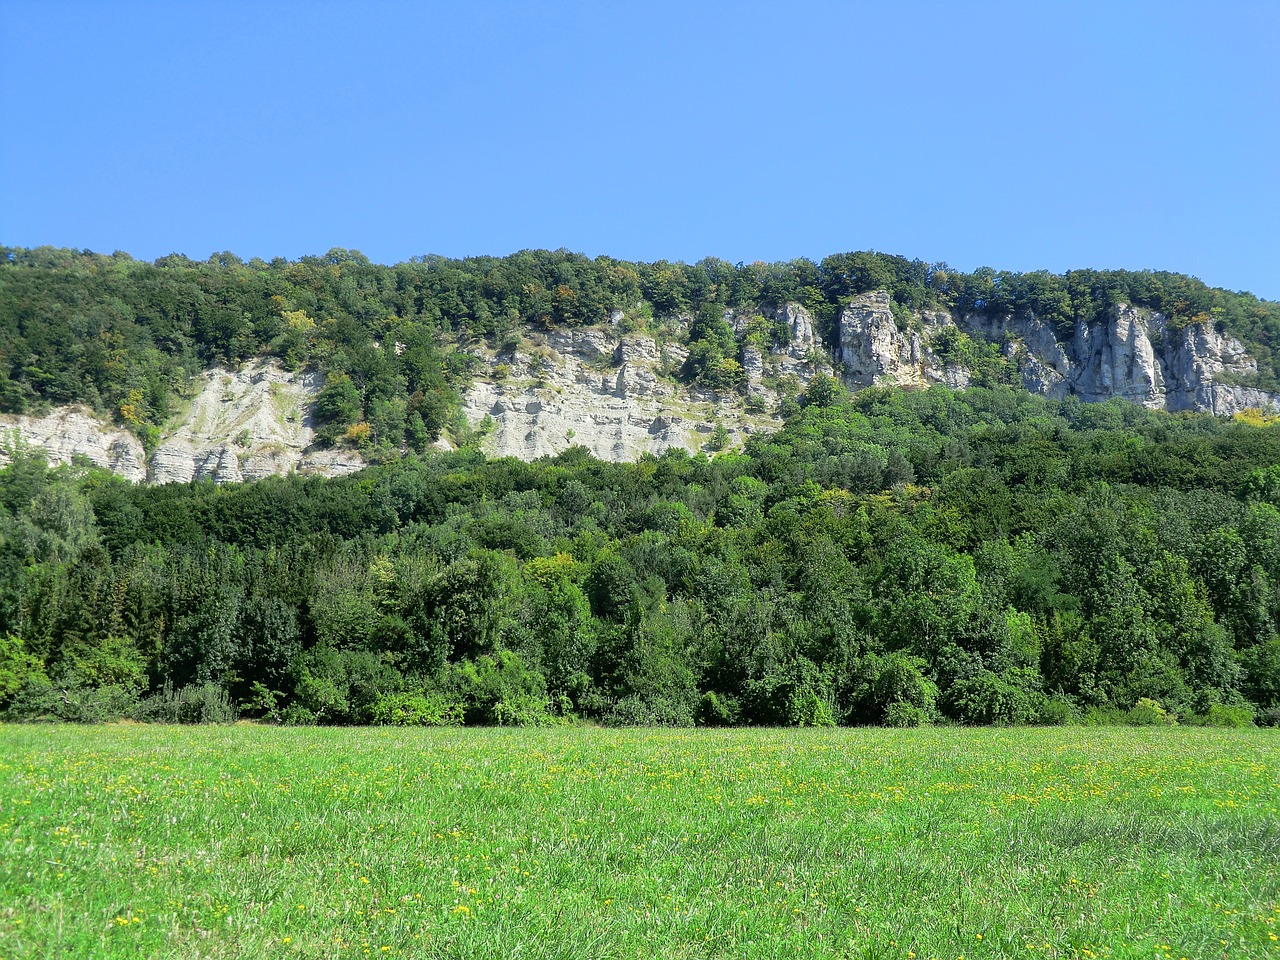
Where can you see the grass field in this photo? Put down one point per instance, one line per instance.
(134, 841)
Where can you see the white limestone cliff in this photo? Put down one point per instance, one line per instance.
(239, 425)
(619, 394)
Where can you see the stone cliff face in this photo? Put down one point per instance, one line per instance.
(240, 425)
(69, 432)
(871, 348)
(610, 393)
(618, 395)
(1134, 354)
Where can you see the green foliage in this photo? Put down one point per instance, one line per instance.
(203, 703)
(890, 557)
(990, 698)
(416, 710)
(43, 701)
(17, 667)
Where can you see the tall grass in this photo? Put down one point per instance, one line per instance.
(134, 841)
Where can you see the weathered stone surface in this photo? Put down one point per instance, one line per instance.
(1131, 354)
(246, 424)
(613, 392)
(241, 425)
(606, 392)
(1116, 359)
(68, 432)
(1205, 370)
(804, 340)
(873, 350)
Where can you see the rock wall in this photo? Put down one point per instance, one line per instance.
(240, 425)
(69, 432)
(247, 424)
(1134, 354)
(617, 393)
(610, 393)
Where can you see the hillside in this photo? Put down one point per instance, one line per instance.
(180, 369)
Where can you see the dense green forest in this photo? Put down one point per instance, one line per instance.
(127, 336)
(891, 557)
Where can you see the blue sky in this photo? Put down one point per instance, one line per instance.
(1017, 135)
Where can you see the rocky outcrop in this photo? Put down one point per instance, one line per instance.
(240, 425)
(1133, 354)
(616, 394)
(611, 393)
(1207, 370)
(872, 349)
(70, 432)
(1116, 359)
(247, 424)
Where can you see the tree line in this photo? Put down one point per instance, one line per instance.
(890, 557)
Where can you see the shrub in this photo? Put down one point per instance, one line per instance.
(1224, 715)
(903, 714)
(652, 711)
(718, 710)
(416, 710)
(805, 708)
(1149, 713)
(990, 699)
(203, 703)
(40, 700)
(500, 689)
(524, 710)
(1055, 712)
(296, 715)
(900, 680)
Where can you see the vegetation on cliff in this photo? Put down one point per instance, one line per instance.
(126, 336)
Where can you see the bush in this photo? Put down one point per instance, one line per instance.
(416, 710)
(903, 714)
(900, 682)
(718, 710)
(635, 711)
(989, 698)
(297, 715)
(806, 709)
(524, 710)
(1145, 713)
(1149, 713)
(203, 703)
(1223, 715)
(40, 700)
(500, 689)
(1055, 712)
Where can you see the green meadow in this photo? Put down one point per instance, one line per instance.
(255, 841)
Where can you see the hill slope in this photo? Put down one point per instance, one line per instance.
(539, 351)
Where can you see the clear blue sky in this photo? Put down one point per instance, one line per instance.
(1018, 135)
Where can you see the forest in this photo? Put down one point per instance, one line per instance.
(888, 557)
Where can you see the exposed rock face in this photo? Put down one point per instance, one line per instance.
(873, 350)
(614, 393)
(804, 341)
(242, 425)
(1133, 354)
(1116, 359)
(68, 432)
(1199, 357)
(611, 394)
(246, 424)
